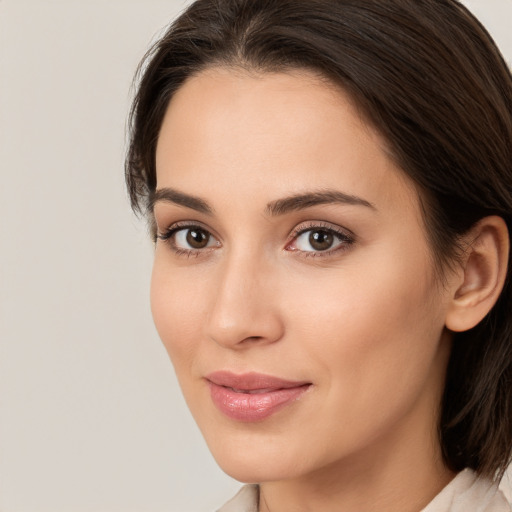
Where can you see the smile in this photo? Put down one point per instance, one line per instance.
(252, 397)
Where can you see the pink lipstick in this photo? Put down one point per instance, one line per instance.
(252, 397)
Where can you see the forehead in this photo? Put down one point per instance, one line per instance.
(271, 135)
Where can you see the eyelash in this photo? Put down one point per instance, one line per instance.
(345, 238)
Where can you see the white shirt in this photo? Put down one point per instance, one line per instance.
(465, 493)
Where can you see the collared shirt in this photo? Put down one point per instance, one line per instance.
(465, 493)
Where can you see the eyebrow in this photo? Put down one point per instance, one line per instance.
(310, 199)
(169, 195)
(274, 208)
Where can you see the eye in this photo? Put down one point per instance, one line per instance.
(189, 238)
(319, 239)
(193, 238)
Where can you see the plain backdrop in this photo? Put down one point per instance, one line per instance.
(91, 417)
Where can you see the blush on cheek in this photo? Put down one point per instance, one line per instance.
(174, 307)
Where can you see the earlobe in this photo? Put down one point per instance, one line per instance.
(482, 276)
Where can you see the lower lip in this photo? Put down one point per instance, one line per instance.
(251, 407)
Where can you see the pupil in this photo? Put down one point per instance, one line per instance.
(197, 238)
(321, 240)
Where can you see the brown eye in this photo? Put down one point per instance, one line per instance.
(321, 240)
(197, 238)
(193, 238)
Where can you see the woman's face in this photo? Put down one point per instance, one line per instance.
(293, 285)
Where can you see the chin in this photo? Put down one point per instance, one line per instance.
(250, 471)
(256, 459)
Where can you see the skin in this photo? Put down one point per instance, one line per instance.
(363, 322)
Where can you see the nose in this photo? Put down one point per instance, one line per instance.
(245, 309)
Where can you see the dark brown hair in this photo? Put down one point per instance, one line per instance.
(429, 78)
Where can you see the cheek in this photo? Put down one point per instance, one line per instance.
(374, 327)
(371, 341)
(176, 309)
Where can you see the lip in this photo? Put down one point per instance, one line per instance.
(252, 397)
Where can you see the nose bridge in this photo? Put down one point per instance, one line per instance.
(242, 307)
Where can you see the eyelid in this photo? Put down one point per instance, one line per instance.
(322, 224)
(167, 233)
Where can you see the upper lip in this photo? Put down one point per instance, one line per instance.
(252, 381)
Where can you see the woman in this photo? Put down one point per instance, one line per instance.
(329, 186)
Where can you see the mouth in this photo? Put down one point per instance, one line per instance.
(252, 397)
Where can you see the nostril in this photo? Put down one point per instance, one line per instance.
(253, 339)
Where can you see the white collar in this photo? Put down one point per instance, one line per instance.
(465, 493)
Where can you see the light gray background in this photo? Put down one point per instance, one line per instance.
(91, 417)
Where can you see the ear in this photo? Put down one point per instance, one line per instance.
(482, 275)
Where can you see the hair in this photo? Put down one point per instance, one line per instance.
(429, 78)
